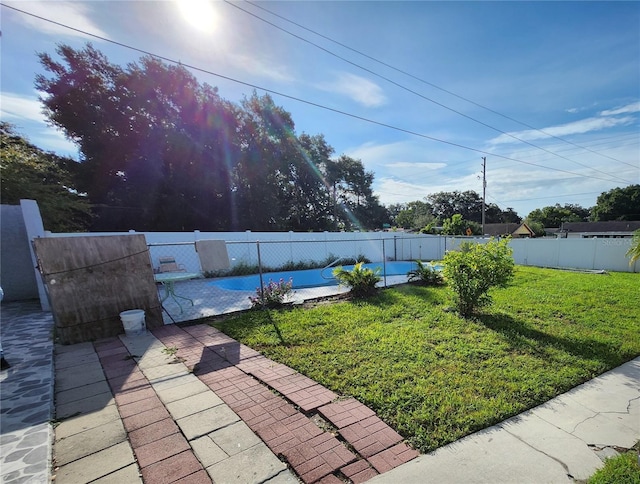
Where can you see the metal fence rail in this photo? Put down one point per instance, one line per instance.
(194, 293)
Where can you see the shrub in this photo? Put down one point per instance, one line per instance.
(425, 274)
(273, 294)
(476, 268)
(361, 280)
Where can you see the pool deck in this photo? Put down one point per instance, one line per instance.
(210, 300)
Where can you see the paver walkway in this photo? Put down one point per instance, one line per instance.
(192, 405)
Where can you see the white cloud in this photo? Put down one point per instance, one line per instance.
(263, 68)
(414, 165)
(577, 127)
(74, 14)
(26, 111)
(629, 108)
(16, 107)
(361, 90)
(572, 110)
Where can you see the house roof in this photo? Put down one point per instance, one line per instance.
(507, 229)
(609, 226)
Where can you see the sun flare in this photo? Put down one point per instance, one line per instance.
(199, 13)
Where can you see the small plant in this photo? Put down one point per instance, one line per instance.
(170, 351)
(634, 251)
(476, 268)
(362, 281)
(622, 469)
(272, 294)
(425, 274)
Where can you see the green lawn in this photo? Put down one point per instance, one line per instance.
(436, 377)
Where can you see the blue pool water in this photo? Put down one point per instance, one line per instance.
(306, 278)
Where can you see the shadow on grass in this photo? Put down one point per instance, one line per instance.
(523, 337)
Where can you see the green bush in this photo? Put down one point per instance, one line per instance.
(425, 274)
(622, 469)
(476, 268)
(362, 281)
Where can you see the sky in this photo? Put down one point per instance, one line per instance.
(420, 92)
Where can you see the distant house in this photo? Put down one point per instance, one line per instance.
(515, 230)
(610, 229)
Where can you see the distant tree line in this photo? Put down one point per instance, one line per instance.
(455, 212)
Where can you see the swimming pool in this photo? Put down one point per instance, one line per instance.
(307, 278)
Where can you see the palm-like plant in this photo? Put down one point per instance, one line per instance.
(634, 251)
(361, 280)
(425, 273)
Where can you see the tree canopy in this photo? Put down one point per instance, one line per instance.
(161, 151)
(27, 172)
(618, 204)
(556, 215)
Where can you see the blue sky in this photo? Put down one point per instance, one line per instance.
(571, 70)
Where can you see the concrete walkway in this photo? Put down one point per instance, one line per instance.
(563, 440)
(191, 405)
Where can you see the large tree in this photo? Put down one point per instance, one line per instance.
(556, 215)
(27, 172)
(154, 142)
(160, 151)
(618, 204)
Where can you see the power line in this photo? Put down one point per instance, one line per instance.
(417, 93)
(419, 79)
(311, 103)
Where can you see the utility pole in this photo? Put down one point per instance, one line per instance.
(484, 189)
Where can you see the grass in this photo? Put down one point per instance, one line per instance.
(436, 377)
(623, 469)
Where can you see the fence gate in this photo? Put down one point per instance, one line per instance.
(90, 280)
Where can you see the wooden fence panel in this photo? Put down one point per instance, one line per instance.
(90, 280)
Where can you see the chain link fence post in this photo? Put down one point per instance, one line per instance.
(260, 271)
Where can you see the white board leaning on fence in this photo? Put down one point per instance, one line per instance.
(213, 255)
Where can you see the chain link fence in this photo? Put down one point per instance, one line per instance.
(189, 289)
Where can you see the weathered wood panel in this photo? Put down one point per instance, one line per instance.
(91, 280)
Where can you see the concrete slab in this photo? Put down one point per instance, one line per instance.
(168, 395)
(88, 442)
(251, 466)
(205, 422)
(573, 454)
(67, 396)
(235, 438)
(207, 451)
(285, 477)
(70, 359)
(602, 430)
(163, 370)
(130, 475)
(77, 376)
(193, 404)
(77, 349)
(96, 465)
(84, 406)
(490, 456)
(172, 381)
(91, 420)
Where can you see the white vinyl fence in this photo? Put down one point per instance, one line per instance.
(278, 248)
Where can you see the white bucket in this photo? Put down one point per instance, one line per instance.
(133, 322)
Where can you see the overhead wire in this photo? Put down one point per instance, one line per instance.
(397, 84)
(423, 80)
(304, 101)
